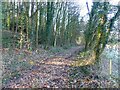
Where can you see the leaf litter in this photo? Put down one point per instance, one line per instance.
(45, 69)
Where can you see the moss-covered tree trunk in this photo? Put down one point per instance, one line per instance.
(50, 12)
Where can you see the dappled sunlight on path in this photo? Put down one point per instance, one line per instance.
(59, 61)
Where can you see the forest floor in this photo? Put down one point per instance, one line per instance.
(48, 69)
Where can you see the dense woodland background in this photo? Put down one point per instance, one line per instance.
(54, 26)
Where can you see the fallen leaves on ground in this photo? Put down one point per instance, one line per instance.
(44, 69)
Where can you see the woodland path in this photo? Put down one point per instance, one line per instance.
(53, 71)
(50, 72)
